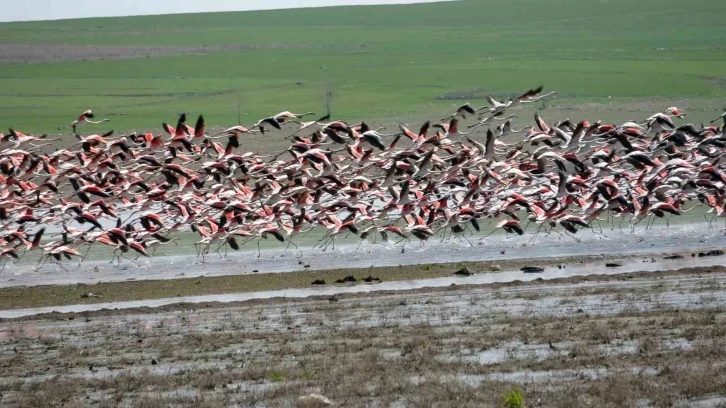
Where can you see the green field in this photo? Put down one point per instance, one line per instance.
(608, 59)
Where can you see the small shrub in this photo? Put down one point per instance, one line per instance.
(513, 399)
(277, 376)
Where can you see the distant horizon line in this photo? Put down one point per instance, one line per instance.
(377, 3)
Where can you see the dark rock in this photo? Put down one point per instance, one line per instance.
(350, 278)
(613, 265)
(318, 282)
(673, 257)
(371, 279)
(463, 272)
(154, 362)
(532, 269)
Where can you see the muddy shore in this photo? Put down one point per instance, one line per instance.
(300, 284)
(633, 339)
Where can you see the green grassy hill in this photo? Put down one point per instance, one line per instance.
(382, 61)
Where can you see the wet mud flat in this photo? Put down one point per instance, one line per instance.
(181, 261)
(634, 339)
(22, 301)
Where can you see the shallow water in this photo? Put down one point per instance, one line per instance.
(481, 278)
(518, 350)
(683, 237)
(524, 377)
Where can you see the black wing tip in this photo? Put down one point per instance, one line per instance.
(469, 109)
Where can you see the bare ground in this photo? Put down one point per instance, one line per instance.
(33, 53)
(635, 340)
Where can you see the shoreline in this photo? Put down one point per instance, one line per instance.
(44, 296)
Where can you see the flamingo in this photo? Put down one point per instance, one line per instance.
(569, 174)
(86, 117)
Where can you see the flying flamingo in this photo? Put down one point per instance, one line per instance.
(86, 118)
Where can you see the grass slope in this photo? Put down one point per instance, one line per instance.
(383, 61)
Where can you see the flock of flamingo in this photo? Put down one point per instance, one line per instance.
(133, 193)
